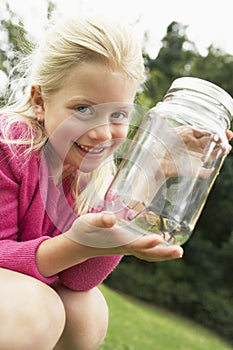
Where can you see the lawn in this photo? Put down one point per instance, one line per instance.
(135, 325)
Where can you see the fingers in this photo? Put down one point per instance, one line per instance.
(167, 252)
(153, 248)
(229, 134)
(147, 241)
(199, 134)
(197, 144)
(160, 252)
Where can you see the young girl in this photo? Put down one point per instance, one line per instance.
(57, 244)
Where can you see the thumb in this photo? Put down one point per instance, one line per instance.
(104, 219)
(92, 229)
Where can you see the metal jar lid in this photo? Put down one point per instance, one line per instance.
(205, 87)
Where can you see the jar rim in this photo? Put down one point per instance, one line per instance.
(204, 86)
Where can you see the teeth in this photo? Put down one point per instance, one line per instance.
(89, 150)
(83, 147)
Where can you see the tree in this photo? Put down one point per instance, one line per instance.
(174, 60)
(216, 66)
(16, 43)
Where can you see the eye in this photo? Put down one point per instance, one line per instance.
(119, 116)
(84, 112)
(84, 109)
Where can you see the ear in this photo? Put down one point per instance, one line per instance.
(37, 102)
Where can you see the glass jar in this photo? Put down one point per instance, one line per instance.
(172, 162)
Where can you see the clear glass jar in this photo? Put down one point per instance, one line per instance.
(172, 162)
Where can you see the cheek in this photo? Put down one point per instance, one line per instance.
(119, 136)
(63, 136)
(119, 132)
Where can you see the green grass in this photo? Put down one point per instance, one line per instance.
(134, 325)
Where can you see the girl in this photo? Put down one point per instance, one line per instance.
(57, 245)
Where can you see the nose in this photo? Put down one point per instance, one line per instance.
(101, 133)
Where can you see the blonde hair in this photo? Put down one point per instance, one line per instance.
(71, 42)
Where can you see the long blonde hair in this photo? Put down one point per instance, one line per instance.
(71, 42)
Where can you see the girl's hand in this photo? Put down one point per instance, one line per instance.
(229, 134)
(102, 235)
(192, 145)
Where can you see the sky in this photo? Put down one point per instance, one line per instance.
(208, 22)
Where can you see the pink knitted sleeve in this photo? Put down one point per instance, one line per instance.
(16, 255)
(20, 257)
(90, 273)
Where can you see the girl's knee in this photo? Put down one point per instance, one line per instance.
(101, 316)
(86, 319)
(33, 316)
(47, 315)
(98, 315)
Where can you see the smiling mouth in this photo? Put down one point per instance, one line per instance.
(95, 150)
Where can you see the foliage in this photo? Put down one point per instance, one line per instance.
(13, 31)
(217, 67)
(14, 45)
(174, 60)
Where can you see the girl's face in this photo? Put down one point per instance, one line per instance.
(87, 118)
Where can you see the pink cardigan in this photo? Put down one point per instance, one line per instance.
(33, 209)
